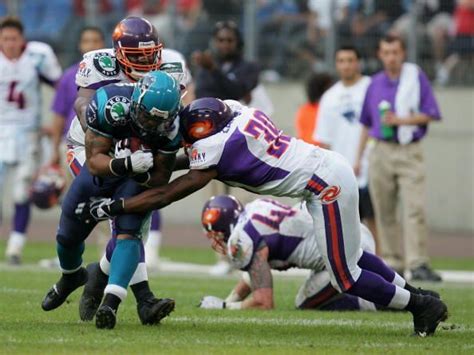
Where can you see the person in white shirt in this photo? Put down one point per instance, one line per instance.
(338, 126)
(24, 66)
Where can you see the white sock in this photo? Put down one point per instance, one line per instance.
(400, 298)
(116, 290)
(366, 305)
(15, 244)
(399, 281)
(104, 265)
(139, 275)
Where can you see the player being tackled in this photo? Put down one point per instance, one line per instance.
(149, 113)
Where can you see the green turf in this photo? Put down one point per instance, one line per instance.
(38, 250)
(25, 328)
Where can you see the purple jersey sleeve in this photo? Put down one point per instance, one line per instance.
(66, 93)
(365, 115)
(428, 103)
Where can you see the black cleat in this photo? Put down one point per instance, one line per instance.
(425, 273)
(152, 311)
(105, 318)
(428, 314)
(66, 285)
(93, 292)
(423, 292)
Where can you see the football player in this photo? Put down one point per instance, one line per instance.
(242, 147)
(146, 111)
(137, 50)
(23, 67)
(283, 237)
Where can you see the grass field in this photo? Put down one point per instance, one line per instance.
(25, 328)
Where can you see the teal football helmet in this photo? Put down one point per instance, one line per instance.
(155, 103)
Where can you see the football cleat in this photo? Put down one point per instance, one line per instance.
(105, 318)
(427, 315)
(152, 311)
(423, 292)
(66, 285)
(93, 292)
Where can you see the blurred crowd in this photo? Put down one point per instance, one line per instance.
(301, 30)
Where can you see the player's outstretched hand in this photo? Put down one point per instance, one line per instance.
(212, 302)
(98, 209)
(142, 161)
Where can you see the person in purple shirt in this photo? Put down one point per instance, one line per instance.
(91, 38)
(398, 106)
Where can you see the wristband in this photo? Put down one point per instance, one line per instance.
(120, 166)
(142, 178)
(117, 207)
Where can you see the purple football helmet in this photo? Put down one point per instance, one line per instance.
(203, 118)
(219, 216)
(47, 187)
(137, 46)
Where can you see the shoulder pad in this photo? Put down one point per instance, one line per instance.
(98, 68)
(240, 249)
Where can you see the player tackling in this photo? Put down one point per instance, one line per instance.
(242, 147)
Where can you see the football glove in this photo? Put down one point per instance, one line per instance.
(122, 149)
(212, 302)
(98, 209)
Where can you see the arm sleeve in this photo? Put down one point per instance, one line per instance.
(242, 247)
(204, 154)
(61, 103)
(49, 68)
(428, 104)
(365, 114)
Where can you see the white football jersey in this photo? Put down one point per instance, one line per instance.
(338, 122)
(288, 233)
(250, 152)
(100, 67)
(20, 96)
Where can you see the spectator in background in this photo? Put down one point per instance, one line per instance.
(91, 38)
(223, 73)
(23, 67)
(306, 117)
(338, 125)
(398, 107)
(462, 45)
(435, 19)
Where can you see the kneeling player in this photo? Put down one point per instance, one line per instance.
(266, 235)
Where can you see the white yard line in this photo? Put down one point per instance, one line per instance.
(195, 269)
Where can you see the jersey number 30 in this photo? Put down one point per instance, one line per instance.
(259, 125)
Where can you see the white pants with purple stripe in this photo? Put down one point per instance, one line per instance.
(332, 201)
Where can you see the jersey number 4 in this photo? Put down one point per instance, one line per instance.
(259, 125)
(275, 217)
(16, 96)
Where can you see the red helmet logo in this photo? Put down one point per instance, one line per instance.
(211, 216)
(200, 129)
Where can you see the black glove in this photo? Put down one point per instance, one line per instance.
(99, 209)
